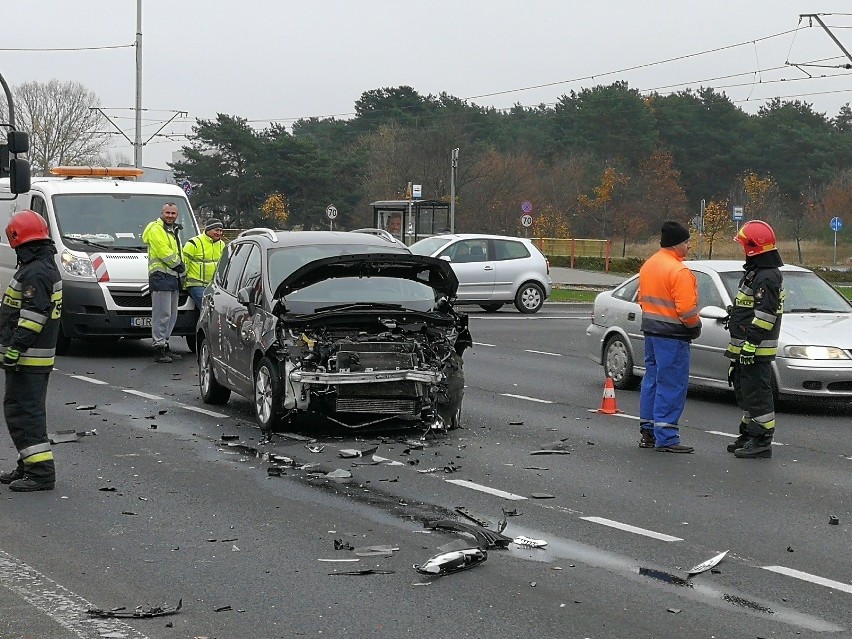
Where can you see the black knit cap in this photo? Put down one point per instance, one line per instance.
(672, 233)
(214, 224)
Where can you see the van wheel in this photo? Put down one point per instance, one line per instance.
(268, 402)
(212, 392)
(63, 343)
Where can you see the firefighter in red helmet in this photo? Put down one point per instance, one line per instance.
(29, 327)
(754, 325)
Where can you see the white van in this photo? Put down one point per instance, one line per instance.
(97, 224)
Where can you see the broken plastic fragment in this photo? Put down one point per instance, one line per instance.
(529, 542)
(707, 565)
(315, 448)
(834, 521)
(347, 453)
(339, 544)
(365, 571)
(64, 436)
(541, 496)
(450, 562)
(464, 512)
(87, 407)
(380, 551)
(138, 613)
(339, 474)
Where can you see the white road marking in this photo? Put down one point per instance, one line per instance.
(618, 414)
(204, 411)
(91, 380)
(543, 353)
(528, 318)
(718, 432)
(486, 489)
(632, 529)
(529, 399)
(814, 579)
(130, 391)
(57, 602)
(483, 344)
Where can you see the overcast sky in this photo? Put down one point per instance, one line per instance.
(285, 59)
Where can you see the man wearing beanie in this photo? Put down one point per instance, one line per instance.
(668, 295)
(202, 254)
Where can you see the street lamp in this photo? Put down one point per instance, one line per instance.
(454, 167)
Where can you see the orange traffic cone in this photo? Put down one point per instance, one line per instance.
(608, 405)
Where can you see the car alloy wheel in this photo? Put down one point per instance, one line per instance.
(267, 400)
(530, 298)
(212, 392)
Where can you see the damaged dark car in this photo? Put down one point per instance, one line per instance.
(347, 327)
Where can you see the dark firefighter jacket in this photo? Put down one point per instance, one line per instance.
(668, 295)
(755, 316)
(32, 304)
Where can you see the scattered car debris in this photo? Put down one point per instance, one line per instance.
(70, 435)
(485, 538)
(376, 551)
(541, 496)
(347, 453)
(464, 512)
(315, 448)
(707, 565)
(365, 571)
(833, 521)
(529, 542)
(334, 560)
(550, 451)
(222, 609)
(229, 438)
(511, 513)
(536, 468)
(339, 544)
(339, 474)
(501, 525)
(386, 461)
(516, 423)
(425, 470)
(275, 471)
(138, 613)
(108, 489)
(128, 512)
(87, 407)
(789, 549)
(450, 562)
(674, 611)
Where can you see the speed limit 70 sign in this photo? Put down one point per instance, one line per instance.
(526, 220)
(331, 211)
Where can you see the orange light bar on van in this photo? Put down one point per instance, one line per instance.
(96, 171)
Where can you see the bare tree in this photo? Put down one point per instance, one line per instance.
(62, 126)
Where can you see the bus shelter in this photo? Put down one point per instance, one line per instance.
(412, 220)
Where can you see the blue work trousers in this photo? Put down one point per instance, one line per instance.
(664, 387)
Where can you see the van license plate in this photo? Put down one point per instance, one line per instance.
(140, 322)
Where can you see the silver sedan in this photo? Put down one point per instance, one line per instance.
(814, 348)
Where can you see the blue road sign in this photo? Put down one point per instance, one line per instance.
(836, 224)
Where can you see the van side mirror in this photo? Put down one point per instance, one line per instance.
(17, 169)
(19, 176)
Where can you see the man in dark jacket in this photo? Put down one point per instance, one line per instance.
(754, 325)
(29, 327)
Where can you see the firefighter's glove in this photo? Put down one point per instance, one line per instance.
(180, 268)
(747, 354)
(731, 367)
(10, 359)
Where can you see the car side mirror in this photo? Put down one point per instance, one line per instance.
(245, 296)
(713, 313)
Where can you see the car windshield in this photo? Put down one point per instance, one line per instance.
(384, 292)
(805, 293)
(285, 260)
(429, 246)
(92, 222)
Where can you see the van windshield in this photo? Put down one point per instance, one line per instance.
(90, 222)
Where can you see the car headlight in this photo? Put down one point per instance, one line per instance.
(815, 352)
(76, 265)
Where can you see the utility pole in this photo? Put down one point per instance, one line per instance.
(137, 144)
(454, 165)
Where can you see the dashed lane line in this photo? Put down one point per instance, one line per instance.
(486, 489)
(529, 399)
(91, 380)
(131, 391)
(203, 411)
(814, 579)
(543, 353)
(631, 529)
(57, 602)
(484, 344)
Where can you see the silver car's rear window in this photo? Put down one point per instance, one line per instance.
(805, 293)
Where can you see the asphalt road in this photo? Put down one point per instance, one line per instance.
(157, 508)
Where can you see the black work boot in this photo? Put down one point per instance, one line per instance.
(740, 441)
(162, 356)
(647, 439)
(40, 476)
(10, 476)
(756, 447)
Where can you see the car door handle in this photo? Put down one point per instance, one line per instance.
(489, 268)
(631, 316)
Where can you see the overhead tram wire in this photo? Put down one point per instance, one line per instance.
(55, 49)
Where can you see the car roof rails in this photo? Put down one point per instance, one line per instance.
(382, 233)
(267, 232)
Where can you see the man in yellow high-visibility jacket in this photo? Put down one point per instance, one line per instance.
(202, 254)
(166, 272)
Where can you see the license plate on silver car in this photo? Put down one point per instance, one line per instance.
(140, 322)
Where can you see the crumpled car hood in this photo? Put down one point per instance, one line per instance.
(431, 271)
(827, 329)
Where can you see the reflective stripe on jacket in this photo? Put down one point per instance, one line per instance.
(164, 252)
(755, 316)
(668, 295)
(31, 308)
(202, 256)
